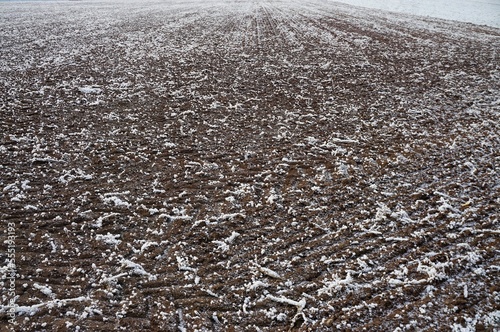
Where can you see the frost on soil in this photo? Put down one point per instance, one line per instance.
(255, 165)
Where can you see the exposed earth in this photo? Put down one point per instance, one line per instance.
(247, 166)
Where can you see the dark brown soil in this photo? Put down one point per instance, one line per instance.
(247, 166)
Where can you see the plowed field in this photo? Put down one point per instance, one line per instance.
(247, 166)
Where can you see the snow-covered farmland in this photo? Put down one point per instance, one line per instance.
(247, 166)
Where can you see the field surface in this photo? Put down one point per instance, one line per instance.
(247, 166)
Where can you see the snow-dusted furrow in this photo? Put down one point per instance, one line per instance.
(247, 165)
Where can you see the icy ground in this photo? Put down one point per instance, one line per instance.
(247, 166)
